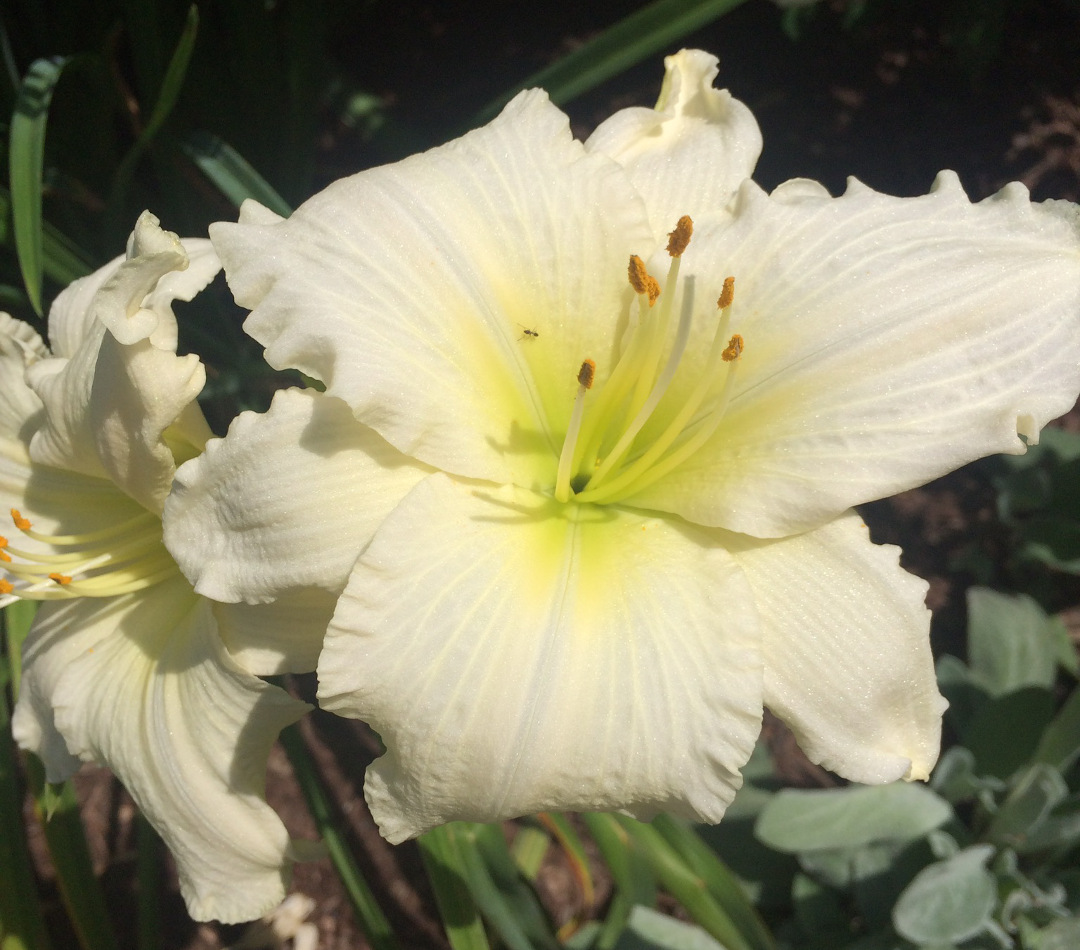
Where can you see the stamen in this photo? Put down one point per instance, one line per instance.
(680, 237)
(641, 280)
(124, 556)
(585, 378)
(727, 294)
(682, 335)
(733, 350)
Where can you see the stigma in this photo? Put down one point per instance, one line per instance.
(635, 429)
(119, 559)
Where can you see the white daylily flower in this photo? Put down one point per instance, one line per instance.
(125, 664)
(597, 531)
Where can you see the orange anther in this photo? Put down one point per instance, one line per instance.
(680, 237)
(21, 523)
(587, 373)
(5, 586)
(733, 350)
(641, 281)
(60, 578)
(727, 294)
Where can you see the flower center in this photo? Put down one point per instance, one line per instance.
(604, 457)
(119, 559)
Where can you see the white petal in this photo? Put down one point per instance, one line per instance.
(143, 684)
(20, 409)
(690, 153)
(407, 289)
(887, 341)
(66, 439)
(283, 637)
(109, 403)
(286, 501)
(847, 651)
(516, 656)
(139, 391)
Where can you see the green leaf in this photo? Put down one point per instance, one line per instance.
(1006, 731)
(632, 873)
(376, 928)
(948, 901)
(1012, 643)
(648, 929)
(447, 875)
(529, 850)
(231, 174)
(807, 820)
(641, 35)
(505, 900)
(26, 159)
(170, 92)
(1060, 742)
(955, 779)
(688, 888)
(718, 877)
(818, 909)
(1057, 834)
(58, 811)
(63, 262)
(21, 923)
(1060, 935)
(1035, 794)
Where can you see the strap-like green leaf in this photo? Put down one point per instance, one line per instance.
(448, 877)
(642, 34)
(231, 173)
(686, 886)
(26, 157)
(21, 925)
(170, 92)
(62, 261)
(369, 915)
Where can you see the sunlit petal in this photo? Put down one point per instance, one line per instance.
(887, 341)
(408, 289)
(847, 651)
(690, 154)
(516, 657)
(144, 684)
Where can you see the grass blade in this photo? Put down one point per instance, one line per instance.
(572, 845)
(21, 924)
(640, 35)
(148, 877)
(372, 921)
(687, 887)
(26, 159)
(231, 173)
(58, 810)
(447, 874)
(62, 261)
(170, 92)
(721, 882)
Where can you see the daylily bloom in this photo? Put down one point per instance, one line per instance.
(125, 665)
(603, 511)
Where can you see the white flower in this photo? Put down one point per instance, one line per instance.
(125, 665)
(579, 598)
